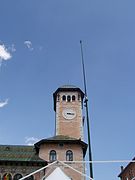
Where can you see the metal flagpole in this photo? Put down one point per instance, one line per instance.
(87, 113)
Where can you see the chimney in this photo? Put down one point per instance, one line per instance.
(122, 168)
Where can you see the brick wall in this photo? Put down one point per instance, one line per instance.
(73, 127)
(61, 156)
(128, 173)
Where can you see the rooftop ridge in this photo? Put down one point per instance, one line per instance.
(61, 137)
(68, 86)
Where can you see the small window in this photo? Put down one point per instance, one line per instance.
(7, 176)
(7, 148)
(73, 98)
(69, 155)
(52, 156)
(64, 98)
(61, 144)
(68, 98)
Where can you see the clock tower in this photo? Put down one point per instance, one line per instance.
(67, 145)
(68, 102)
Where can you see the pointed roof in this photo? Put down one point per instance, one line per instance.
(62, 139)
(58, 174)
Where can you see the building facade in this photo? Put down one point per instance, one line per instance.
(66, 146)
(19, 161)
(128, 173)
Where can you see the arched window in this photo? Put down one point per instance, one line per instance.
(7, 176)
(52, 156)
(68, 98)
(73, 98)
(64, 98)
(69, 155)
(17, 176)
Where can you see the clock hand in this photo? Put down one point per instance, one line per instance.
(70, 113)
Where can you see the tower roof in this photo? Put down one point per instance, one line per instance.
(66, 88)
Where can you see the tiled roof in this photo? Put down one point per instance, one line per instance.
(56, 139)
(18, 153)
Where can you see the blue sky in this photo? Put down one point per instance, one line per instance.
(40, 51)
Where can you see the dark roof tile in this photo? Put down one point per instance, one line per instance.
(18, 153)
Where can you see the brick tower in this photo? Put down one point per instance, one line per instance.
(67, 145)
(68, 110)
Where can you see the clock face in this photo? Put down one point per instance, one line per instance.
(69, 114)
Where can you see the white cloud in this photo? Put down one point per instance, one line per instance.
(28, 45)
(4, 54)
(3, 103)
(31, 140)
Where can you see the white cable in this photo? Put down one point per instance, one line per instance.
(108, 161)
(64, 162)
(38, 170)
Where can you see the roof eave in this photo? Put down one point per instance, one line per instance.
(46, 141)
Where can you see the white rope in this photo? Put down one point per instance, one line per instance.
(64, 163)
(108, 161)
(38, 170)
(75, 170)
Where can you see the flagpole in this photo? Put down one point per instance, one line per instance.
(87, 113)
